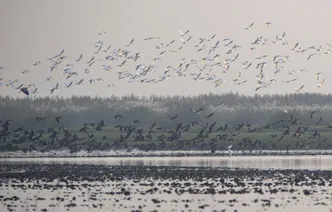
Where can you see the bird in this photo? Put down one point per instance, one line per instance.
(311, 55)
(39, 119)
(131, 42)
(318, 75)
(267, 24)
(197, 111)
(299, 89)
(296, 45)
(36, 64)
(79, 58)
(24, 72)
(172, 118)
(153, 125)
(183, 33)
(108, 48)
(25, 91)
(150, 38)
(229, 148)
(208, 116)
(320, 85)
(312, 113)
(118, 116)
(122, 63)
(79, 82)
(250, 26)
(319, 121)
(57, 119)
(102, 32)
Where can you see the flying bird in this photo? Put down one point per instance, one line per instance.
(208, 116)
(36, 64)
(25, 91)
(39, 119)
(250, 26)
(318, 74)
(118, 116)
(131, 42)
(57, 119)
(80, 57)
(197, 111)
(312, 113)
(320, 85)
(311, 55)
(183, 33)
(267, 24)
(172, 118)
(299, 89)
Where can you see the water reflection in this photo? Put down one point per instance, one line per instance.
(262, 162)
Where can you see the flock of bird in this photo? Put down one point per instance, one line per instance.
(185, 135)
(220, 56)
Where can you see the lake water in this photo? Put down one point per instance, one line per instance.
(262, 162)
(28, 180)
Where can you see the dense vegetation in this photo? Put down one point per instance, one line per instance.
(229, 108)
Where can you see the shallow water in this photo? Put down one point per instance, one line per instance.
(96, 198)
(262, 162)
(95, 184)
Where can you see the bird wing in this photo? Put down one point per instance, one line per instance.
(180, 32)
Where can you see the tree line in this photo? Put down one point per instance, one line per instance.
(230, 108)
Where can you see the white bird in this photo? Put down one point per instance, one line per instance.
(321, 84)
(107, 68)
(185, 41)
(318, 74)
(183, 33)
(229, 150)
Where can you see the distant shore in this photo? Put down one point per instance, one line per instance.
(139, 153)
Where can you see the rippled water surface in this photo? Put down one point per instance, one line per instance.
(262, 162)
(178, 184)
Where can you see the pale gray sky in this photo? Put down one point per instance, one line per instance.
(35, 30)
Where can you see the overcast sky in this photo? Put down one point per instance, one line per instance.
(35, 30)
